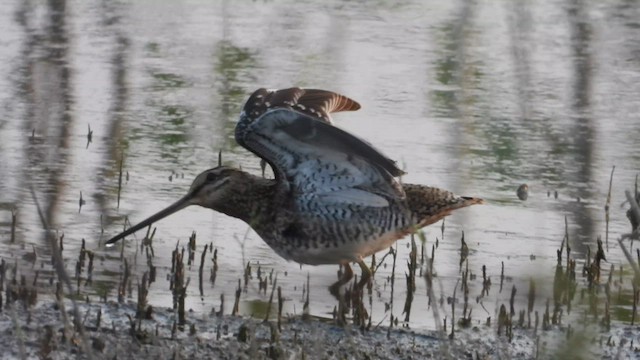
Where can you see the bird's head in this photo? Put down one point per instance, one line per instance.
(213, 188)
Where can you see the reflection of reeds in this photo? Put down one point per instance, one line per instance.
(3, 268)
(122, 287)
(81, 202)
(14, 220)
(119, 181)
(464, 250)
(179, 285)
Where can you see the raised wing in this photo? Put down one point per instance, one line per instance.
(315, 103)
(320, 163)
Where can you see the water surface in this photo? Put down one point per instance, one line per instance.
(475, 97)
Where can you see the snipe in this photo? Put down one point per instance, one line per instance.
(335, 199)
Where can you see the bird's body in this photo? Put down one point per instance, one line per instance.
(335, 199)
(317, 233)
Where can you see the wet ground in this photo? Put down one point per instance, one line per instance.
(108, 333)
(475, 97)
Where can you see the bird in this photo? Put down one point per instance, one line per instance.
(334, 198)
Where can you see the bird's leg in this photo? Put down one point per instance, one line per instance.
(346, 276)
(365, 278)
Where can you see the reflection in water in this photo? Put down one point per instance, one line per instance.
(49, 94)
(509, 102)
(520, 30)
(455, 73)
(231, 65)
(117, 112)
(583, 132)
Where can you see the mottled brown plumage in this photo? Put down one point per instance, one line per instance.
(316, 103)
(335, 199)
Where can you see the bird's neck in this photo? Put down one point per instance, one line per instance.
(251, 201)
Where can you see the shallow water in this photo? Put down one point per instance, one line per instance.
(475, 97)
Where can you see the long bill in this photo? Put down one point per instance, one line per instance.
(177, 206)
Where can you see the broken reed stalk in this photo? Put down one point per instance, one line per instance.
(465, 321)
(191, 249)
(464, 250)
(566, 235)
(280, 305)
(606, 209)
(305, 306)
(453, 310)
(531, 300)
(201, 270)
(247, 275)
(221, 312)
(501, 276)
(393, 276)
(512, 299)
(428, 278)
(89, 281)
(180, 286)
(143, 292)
(214, 269)
(411, 279)
(147, 243)
(236, 303)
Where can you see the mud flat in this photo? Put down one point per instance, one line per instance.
(110, 331)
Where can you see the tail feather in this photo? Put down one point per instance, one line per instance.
(429, 204)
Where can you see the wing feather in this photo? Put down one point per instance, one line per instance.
(312, 102)
(282, 131)
(321, 167)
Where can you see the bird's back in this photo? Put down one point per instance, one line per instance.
(429, 204)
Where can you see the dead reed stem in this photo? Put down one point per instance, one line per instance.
(606, 209)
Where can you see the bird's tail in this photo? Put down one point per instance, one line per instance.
(429, 204)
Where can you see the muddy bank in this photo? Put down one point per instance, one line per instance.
(112, 332)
